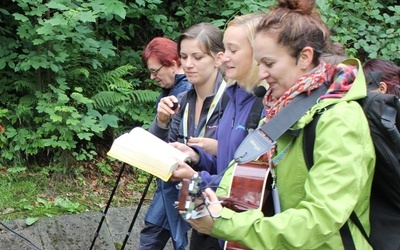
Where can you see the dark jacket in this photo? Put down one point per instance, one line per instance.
(162, 211)
(181, 85)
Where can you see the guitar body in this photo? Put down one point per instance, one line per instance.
(250, 189)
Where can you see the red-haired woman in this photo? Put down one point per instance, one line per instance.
(164, 64)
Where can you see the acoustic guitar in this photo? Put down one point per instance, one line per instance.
(250, 189)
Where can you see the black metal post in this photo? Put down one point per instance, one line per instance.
(108, 205)
(137, 211)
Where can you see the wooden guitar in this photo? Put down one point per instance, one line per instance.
(250, 189)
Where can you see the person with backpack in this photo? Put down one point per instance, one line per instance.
(316, 203)
(386, 76)
(243, 112)
(382, 108)
(197, 115)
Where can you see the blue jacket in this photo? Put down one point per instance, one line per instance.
(231, 132)
(162, 211)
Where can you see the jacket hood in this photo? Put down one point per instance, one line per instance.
(358, 90)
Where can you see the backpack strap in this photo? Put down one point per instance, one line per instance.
(264, 138)
(255, 115)
(388, 121)
(308, 150)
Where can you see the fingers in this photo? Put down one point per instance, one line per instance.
(193, 155)
(184, 171)
(212, 196)
(168, 105)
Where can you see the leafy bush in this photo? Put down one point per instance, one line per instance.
(72, 77)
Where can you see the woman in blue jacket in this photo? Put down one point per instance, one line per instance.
(242, 71)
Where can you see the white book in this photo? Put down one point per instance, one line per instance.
(141, 149)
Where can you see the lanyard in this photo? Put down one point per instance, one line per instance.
(213, 105)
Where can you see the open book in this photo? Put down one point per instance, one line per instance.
(145, 151)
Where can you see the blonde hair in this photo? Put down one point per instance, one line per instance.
(249, 24)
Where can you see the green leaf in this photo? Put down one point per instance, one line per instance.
(109, 120)
(20, 17)
(57, 6)
(116, 8)
(57, 20)
(87, 17)
(86, 136)
(140, 2)
(38, 41)
(55, 118)
(31, 221)
(107, 49)
(2, 63)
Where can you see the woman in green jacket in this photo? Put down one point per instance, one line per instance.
(315, 203)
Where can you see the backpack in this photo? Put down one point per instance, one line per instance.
(383, 115)
(255, 115)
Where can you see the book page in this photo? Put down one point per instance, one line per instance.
(141, 149)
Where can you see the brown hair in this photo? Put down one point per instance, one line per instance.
(209, 36)
(335, 53)
(296, 24)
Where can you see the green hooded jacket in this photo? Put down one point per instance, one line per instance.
(315, 203)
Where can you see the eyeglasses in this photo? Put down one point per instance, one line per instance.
(155, 71)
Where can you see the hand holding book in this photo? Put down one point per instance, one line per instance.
(141, 149)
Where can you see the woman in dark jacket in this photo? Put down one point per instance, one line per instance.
(196, 118)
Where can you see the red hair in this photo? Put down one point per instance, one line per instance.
(164, 49)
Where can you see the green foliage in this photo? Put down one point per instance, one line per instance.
(34, 195)
(368, 28)
(72, 77)
(104, 168)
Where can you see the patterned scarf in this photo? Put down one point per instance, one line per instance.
(341, 77)
(307, 82)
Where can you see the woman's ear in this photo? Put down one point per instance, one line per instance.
(175, 66)
(382, 87)
(218, 59)
(306, 57)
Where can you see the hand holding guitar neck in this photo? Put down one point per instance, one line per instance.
(202, 218)
(190, 196)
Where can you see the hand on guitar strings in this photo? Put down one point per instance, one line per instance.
(204, 221)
